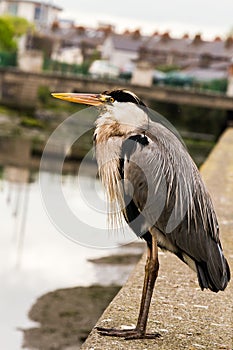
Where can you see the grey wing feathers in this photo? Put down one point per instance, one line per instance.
(167, 189)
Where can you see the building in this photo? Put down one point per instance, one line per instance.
(70, 55)
(122, 50)
(42, 13)
(198, 59)
(143, 74)
(78, 42)
(186, 52)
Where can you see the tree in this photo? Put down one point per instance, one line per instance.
(12, 28)
(7, 41)
(20, 25)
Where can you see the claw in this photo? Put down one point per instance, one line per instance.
(128, 334)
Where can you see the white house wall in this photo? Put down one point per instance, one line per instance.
(2, 7)
(118, 58)
(107, 49)
(52, 15)
(122, 58)
(69, 55)
(26, 10)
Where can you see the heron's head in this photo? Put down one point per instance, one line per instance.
(101, 100)
(120, 106)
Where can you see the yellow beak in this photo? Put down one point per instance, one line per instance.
(87, 99)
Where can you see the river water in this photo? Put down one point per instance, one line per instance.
(38, 257)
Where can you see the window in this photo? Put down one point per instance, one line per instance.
(37, 13)
(13, 9)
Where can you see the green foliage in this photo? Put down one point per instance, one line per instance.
(44, 94)
(167, 68)
(46, 101)
(10, 29)
(7, 41)
(32, 123)
(85, 67)
(191, 118)
(1, 171)
(61, 67)
(19, 25)
(213, 85)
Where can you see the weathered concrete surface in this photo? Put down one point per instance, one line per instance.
(186, 317)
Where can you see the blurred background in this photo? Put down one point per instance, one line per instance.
(178, 57)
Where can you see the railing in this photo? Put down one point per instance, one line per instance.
(8, 59)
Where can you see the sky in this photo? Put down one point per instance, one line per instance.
(209, 17)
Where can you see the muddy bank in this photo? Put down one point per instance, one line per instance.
(66, 317)
(119, 259)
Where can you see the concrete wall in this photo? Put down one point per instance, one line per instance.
(230, 81)
(143, 74)
(230, 87)
(31, 61)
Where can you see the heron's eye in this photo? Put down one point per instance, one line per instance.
(111, 100)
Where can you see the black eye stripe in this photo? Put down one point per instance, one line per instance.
(124, 96)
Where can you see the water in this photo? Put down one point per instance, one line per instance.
(37, 258)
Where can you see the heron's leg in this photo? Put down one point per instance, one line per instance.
(151, 272)
(145, 284)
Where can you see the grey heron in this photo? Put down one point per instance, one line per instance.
(148, 171)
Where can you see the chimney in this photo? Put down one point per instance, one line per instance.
(165, 36)
(55, 26)
(229, 42)
(197, 39)
(185, 36)
(126, 32)
(80, 29)
(156, 33)
(136, 34)
(106, 29)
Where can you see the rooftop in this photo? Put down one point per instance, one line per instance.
(197, 46)
(128, 42)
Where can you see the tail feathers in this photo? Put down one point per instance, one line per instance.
(214, 273)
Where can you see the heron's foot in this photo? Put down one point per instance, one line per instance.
(128, 334)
